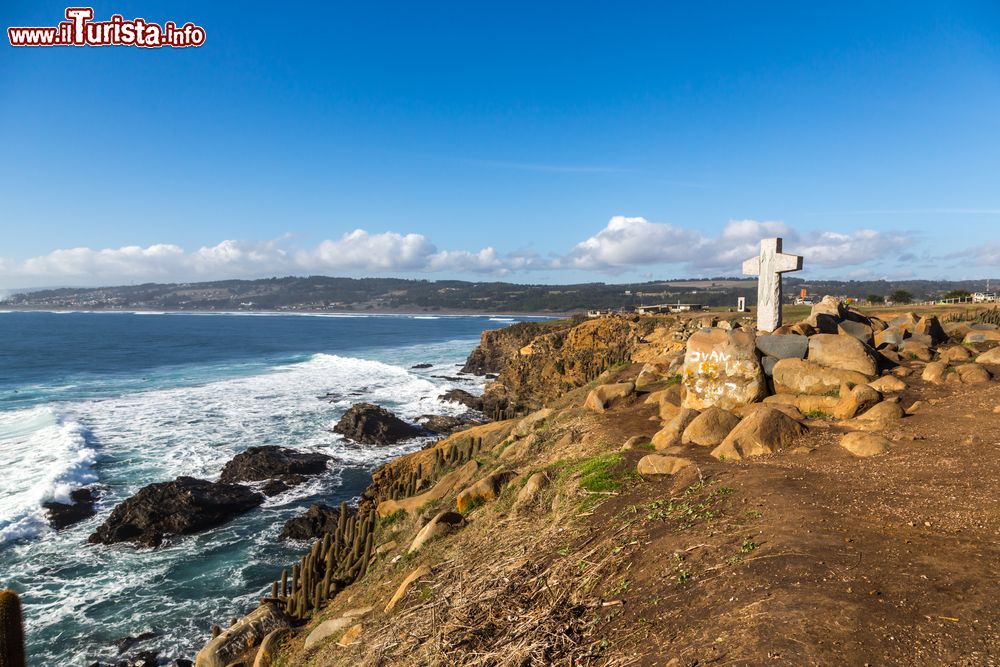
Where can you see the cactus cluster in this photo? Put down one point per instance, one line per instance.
(457, 453)
(11, 630)
(991, 316)
(505, 412)
(332, 563)
(407, 485)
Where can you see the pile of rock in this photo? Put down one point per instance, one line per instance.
(745, 393)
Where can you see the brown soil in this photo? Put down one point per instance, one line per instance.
(805, 557)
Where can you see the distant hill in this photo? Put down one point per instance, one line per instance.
(319, 293)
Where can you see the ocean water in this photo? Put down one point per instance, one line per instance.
(121, 400)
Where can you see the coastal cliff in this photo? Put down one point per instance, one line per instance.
(611, 524)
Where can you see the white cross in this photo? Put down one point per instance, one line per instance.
(769, 266)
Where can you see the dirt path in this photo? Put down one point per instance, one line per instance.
(821, 558)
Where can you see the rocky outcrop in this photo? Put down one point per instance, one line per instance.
(284, 467)
(315, 522)
(373, 425)
(561, 359)
(462, 397)
(498, 347)
(443, 424)
(181, 507)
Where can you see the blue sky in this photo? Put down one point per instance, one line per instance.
(534, 142)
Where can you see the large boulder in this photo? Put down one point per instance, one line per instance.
(801, 376)
(764, 431)
(529, 495)
(237, 640)
(285, 467)
(930, 326)
(844, 353)
(721, 368)
(660, 464)
(600, 397)
(972, 373)
(485, 490)
(442, 524)
(373, 425)
(710, 427)
(989, 357)
(855, 400)
(788, 346)
(183, 506)
(982, 336)
(670, 435)
(864, 444)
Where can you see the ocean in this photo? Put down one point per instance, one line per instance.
(121, 400)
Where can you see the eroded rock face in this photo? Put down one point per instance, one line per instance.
(183, 506)
(498, 346)
(721, 369)
(271, 462)
(373, 425)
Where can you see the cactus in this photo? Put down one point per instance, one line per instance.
(11, 630)
(284, 583)
(215, 630)
(274, 589)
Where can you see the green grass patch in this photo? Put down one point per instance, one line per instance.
(673, 379)
(598, 474)
(392, 519)
(817, 414)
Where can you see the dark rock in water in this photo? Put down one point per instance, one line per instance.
(421, 365)
(125, 643)
(463, 397)
(374, 425)
(491, 376)
(273, 487)
(181, 507)
(143, 659)
(181, 662)
(62, 515)
(441, 423)
(451, 378)
(272, 462)
(318, 520)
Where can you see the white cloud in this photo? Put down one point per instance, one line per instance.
(625, 243)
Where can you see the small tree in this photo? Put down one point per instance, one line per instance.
(875, 298)
(901, 296)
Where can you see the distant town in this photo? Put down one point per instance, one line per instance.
(393, 295)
